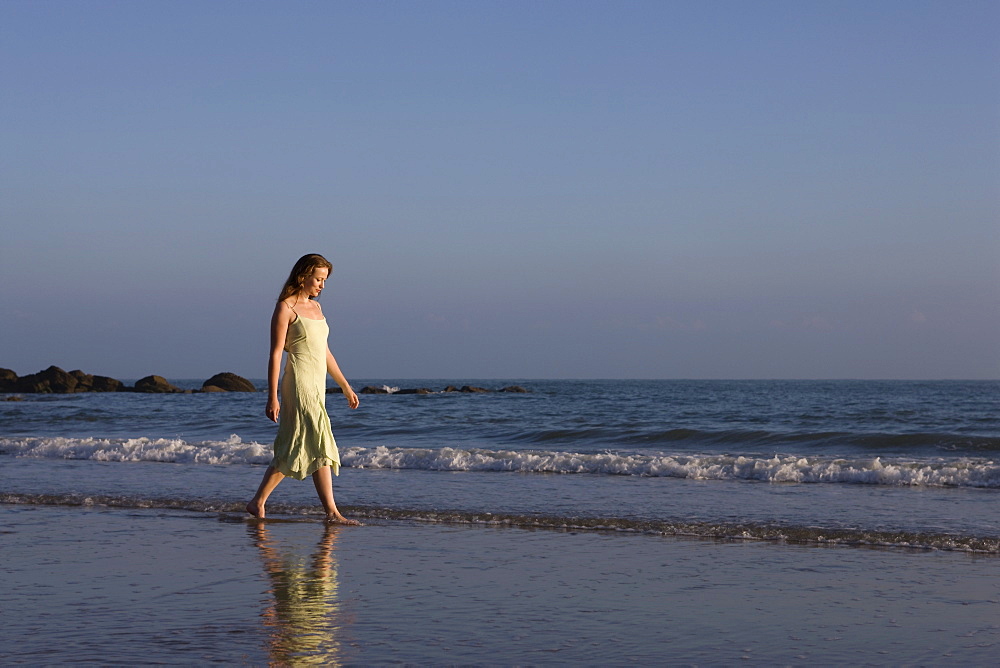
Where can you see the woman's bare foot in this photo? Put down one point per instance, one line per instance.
(255, 510)
(340, 519)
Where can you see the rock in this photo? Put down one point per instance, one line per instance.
(8, 380)
(512, 388)
(55, 380)
(157, 384)
(334, 390)
(419, 390)
(106, 384)
(84, 381)
(212, 388)
(228, 382)
(14, 398)
(470, 388)
(450, 388)
(50, 381)
(371, 389)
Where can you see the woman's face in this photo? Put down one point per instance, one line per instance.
(314, 284)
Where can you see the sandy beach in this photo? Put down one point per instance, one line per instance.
(94, 585)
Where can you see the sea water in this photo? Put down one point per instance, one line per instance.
(95, 585)
(894, 463)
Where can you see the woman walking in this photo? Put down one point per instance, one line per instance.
(304, 445)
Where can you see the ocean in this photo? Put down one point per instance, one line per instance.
(888, 463)
(907, 469)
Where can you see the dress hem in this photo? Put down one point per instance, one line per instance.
(316, 465)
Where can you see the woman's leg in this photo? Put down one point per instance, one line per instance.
(323, 480)
(272, 477)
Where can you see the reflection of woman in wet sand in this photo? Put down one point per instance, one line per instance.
(305, 618)
(304, 444)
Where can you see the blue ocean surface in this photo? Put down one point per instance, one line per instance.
(891, 463)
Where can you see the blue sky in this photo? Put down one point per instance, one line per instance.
(506, 189)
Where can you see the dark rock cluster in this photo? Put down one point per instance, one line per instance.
(56, 381)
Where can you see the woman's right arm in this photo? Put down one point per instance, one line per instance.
(279, 330)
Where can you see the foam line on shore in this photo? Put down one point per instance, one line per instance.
(722, 530)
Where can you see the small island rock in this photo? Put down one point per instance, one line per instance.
(228, 382)
(8, 380)
(84, 381)
(155, 384)
(106, 384)
(50, 381)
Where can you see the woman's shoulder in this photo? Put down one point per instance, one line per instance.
(283, 309)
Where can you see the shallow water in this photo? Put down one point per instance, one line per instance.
(115, 586)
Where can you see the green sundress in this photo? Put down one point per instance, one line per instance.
(305, 440)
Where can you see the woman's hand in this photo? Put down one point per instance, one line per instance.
(272, 410)
(352, 398)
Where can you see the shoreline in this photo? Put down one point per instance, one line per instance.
(716, 531)
(902, 517)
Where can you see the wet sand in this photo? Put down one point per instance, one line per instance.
(116, 586)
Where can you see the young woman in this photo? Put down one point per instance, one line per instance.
(304, 444)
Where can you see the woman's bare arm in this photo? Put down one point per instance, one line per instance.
(280, 320)
(338, 377)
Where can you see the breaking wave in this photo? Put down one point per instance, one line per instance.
(779, 468)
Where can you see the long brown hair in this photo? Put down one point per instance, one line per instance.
(303, 269)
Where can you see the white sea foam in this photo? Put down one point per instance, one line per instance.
(936, 472)
(232, 450)
(780, 468)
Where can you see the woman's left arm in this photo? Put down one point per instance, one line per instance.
(334, 370)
